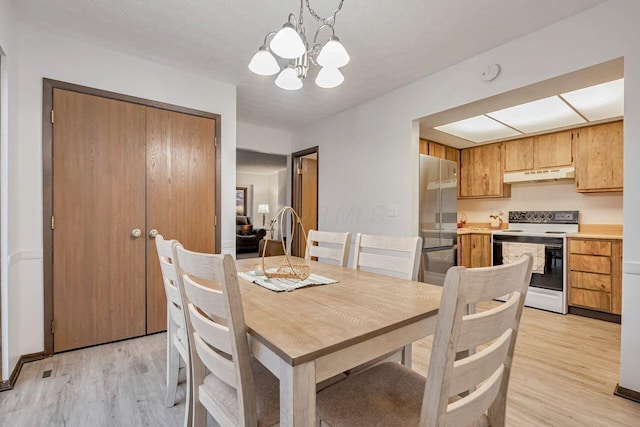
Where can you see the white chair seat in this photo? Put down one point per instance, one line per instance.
(267, 395)
(396, 401)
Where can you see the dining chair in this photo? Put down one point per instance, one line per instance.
(335, 246)
(177, 342)
(227, 382)
(396, 256)
(393, 256)
(467, 391)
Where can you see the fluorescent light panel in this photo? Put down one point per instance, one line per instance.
(598, 102)
(537, 116)
(478, 129)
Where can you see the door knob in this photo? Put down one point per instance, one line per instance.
(136, 232)
(153, 233)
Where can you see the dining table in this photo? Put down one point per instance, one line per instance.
(311, 334)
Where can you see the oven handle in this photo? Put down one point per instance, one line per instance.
(546, 245)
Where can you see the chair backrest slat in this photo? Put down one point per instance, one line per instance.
(482, 327)
(471, 371)
(331, 245)
(216, 324)
(215, 363)
(170, 279)
(483, 374)
(399, 255)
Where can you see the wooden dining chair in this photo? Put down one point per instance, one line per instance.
(395, 256)
(463, 392)
(227, 382)
(335, 246)
(177, 341)
(392, 256)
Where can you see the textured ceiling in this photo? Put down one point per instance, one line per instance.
(391, 43)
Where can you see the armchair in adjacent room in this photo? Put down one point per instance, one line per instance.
(247, 238)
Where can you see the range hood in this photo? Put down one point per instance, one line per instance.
(540, 175)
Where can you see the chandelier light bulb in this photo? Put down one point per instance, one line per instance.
(288, 79)
(329, 77)
(287, 43)
(333, 54)
(264, 63)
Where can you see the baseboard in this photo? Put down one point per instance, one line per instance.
(13, 378)
(595, 314)
(627, 393)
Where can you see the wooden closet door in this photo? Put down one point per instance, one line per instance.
(309, 195)
(180, 194)
(98, 199)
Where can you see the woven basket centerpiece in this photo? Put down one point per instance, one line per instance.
(287, 269)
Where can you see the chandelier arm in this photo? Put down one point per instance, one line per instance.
(272, 33)
(327, 21)
(315, 38)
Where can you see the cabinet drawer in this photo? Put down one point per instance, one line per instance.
(590, 247)
(591, 299)
(590, 281)
(590, 264)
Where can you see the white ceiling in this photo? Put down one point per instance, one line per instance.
(391, 43)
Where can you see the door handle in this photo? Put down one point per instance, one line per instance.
(153, 233)
(136, 232)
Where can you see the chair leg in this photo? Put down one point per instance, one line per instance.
(188, 407)
(173, 368)
(406, 355)
(199, 411)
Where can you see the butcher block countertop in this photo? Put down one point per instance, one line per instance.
(598, 231)
(474, 231)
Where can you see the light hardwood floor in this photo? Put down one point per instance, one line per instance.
(564, 373)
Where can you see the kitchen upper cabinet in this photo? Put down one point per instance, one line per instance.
(481, 172)
(539, 152)
(474, 250)
(599, 164)
(553, 150)
(518, 155)
(439, 150)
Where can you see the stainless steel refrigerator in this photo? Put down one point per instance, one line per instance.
(438, 216)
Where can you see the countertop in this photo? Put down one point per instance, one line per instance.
(583, 235)
(474, 231)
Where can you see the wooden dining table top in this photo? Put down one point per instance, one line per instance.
(310, 322)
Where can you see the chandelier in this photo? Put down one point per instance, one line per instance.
(291, 43)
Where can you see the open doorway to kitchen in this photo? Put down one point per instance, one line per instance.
(261, 191)
(304, 194)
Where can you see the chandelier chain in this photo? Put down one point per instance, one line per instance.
(328, 21)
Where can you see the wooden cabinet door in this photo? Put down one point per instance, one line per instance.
(518, 155)
(180, 200)
(474, 250)
(599, 164)
(553, 150)
(437, 150)
(98, 199)
(481, 171)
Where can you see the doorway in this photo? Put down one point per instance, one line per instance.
(304, 195)
(117, 171)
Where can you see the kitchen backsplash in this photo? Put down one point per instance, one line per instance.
(597, 208)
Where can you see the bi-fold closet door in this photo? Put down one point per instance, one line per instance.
(121, 172)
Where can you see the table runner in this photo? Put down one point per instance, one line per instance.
(280, 285)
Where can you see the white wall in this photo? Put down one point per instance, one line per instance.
(8, 172)
(263, 139)
(595, 208)
(43, 54)
(368, 154)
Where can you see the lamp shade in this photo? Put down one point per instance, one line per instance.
(263, 208)
(264, 63)
(287, 43)
(333, 54)
(329, 77)
(288, 79)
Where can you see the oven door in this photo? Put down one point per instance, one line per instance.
(553, 277)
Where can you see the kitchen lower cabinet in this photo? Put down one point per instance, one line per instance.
(595, 274)
(474, 250)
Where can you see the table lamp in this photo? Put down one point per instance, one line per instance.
(263, 209)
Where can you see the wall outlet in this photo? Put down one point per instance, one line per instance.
(393, 210)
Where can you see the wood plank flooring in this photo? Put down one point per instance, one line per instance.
(564, 373)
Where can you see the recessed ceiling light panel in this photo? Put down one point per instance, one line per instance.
(478, 129)
(598, 102)
(537, 116)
